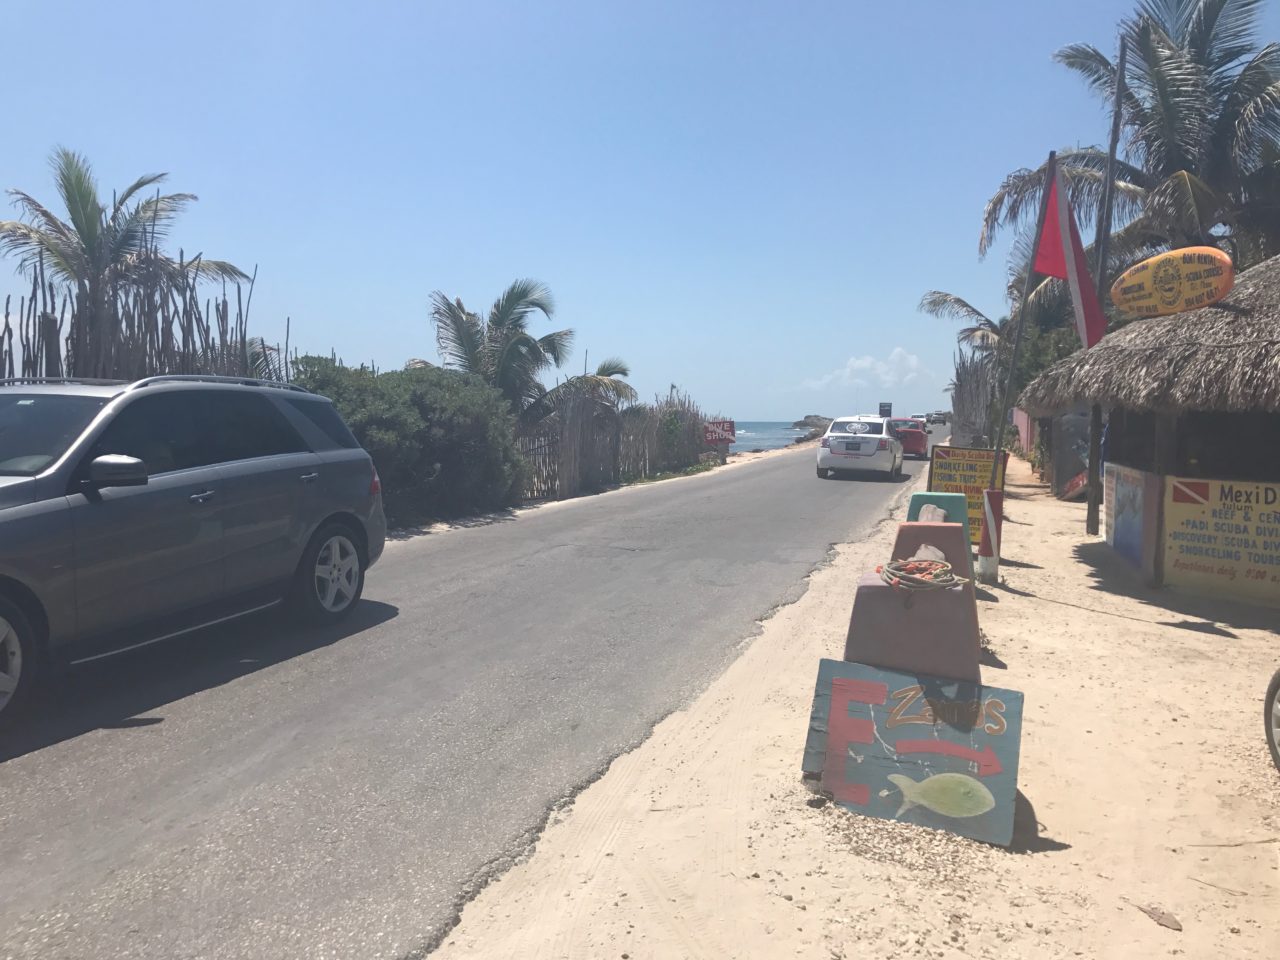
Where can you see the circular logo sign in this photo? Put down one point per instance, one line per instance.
(1167, 279)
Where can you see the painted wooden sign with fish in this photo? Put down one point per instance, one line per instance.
(901, 746)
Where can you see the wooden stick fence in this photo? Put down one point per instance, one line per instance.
(155, 326)
(588, 446)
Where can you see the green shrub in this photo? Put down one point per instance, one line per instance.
(443, 441)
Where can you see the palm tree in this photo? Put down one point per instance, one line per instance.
(982, 335)
(1201, 112)
(500, 349)
(102, 248)
(606, 388)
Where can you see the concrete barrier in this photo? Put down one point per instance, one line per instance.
(957, 508)
(922, 631)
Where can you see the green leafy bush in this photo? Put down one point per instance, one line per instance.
(443, 441)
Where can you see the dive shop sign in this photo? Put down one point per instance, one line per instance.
(1222, 537)
(900, 746)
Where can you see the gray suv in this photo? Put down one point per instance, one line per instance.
(132, 513)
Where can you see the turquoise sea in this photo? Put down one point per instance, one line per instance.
(764, 435)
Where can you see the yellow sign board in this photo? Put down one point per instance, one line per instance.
(965, 470)
(1222, 537)
(1179, 280)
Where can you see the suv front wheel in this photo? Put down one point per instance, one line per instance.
(330, 576)
(18, 660)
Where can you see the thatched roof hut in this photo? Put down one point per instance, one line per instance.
(1192, 439)
(1223, 358)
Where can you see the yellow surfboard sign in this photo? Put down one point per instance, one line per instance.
(1173, 282)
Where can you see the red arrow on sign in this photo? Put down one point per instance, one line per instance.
(986, 759)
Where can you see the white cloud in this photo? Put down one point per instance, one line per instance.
(898, 369)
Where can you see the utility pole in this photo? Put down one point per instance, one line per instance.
(1101, 240)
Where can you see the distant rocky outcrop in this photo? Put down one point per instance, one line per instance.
(812, 421)
(814, 425)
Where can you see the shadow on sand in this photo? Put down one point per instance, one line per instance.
(1112, 574)
(1028, 836)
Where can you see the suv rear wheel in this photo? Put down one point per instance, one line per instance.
(330, 577)
(18, 660)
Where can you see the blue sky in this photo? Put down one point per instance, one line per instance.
(745, 199)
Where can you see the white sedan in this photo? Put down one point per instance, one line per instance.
(860, 443)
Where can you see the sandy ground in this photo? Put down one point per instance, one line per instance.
(401, 534)
(1144, 773)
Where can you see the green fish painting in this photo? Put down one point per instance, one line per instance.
(947, 794)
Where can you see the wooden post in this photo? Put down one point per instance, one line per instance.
(1103, 237)
(1094, 488)
(1165, 464)
(989, 567)
(1006, 401)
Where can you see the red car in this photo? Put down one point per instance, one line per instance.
(914, 436)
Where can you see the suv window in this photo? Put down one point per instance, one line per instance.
(324, 416)
(164, 431)
(36, 429)
(244, 425)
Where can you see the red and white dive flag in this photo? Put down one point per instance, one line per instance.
(1060, 254)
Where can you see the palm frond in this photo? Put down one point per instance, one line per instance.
(1249, 122)
(43, 217)
(1219, 33)
(1099, 74)
(521, 299)
(1175, 89)
(79, 192)
(518, 365)
(947, 306)
(978, 338)
(606, 391)
(148, 180)
(202, 267)
(63, 259)
(459, 334)
(148, 222)
(613, 367)
(1092, 64)
(1171, 16)
(1017, 201)
(557, 346)
(1185, 208)
(265, 362)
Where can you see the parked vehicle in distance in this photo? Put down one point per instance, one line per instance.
(133, 513)
(914, 435)
(860, 443)
(938, 416)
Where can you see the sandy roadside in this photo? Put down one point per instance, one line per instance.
(736, 460)
(1142, 758)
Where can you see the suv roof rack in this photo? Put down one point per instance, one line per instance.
(202, 378)
(87, 381)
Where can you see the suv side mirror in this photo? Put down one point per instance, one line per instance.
(114, 470)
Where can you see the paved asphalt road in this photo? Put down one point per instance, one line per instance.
(268, 792)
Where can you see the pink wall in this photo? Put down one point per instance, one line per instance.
(1026, 428)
